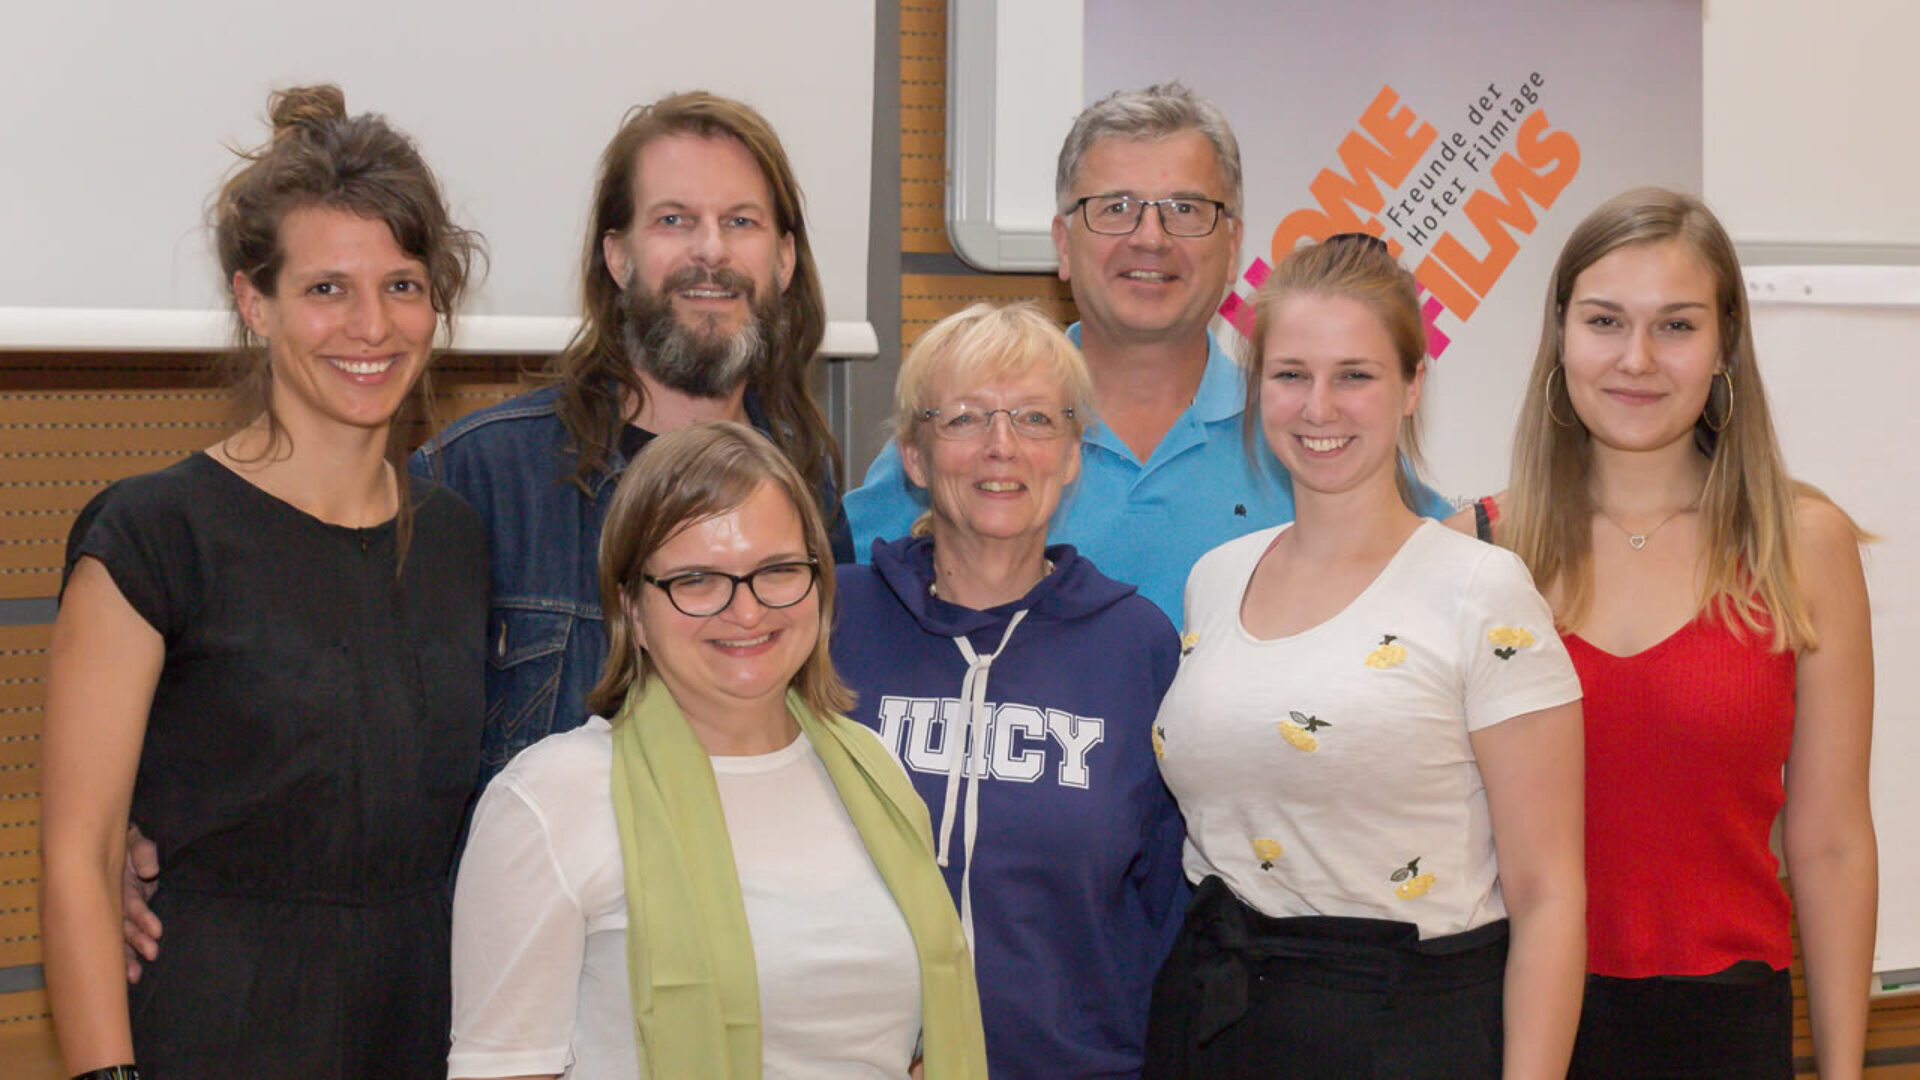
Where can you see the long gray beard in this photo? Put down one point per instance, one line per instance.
(687, 361)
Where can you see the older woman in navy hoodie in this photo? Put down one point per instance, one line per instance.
(1018, 685)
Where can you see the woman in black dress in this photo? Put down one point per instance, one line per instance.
(269, 655)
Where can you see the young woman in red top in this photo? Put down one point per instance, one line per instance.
(1717, 614)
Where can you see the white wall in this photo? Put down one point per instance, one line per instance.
(1810, 136)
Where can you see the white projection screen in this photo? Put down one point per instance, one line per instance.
(115, 120)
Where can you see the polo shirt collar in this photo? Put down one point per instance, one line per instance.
(1222, 391)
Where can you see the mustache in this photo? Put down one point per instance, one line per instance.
(718, 277)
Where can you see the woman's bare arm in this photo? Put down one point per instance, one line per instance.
(1832, 861)
(1533, 768)
(105, 664)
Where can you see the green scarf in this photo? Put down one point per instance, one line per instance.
(696, 995)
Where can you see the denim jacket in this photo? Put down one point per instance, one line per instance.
(545, 636)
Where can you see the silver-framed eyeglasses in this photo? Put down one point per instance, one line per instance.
(703, 593)
(962, 422)
(1180, 215)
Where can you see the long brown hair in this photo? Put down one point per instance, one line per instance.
(595, 371)
(1747, 508)
(1358, 268)
(320, 156)
(680, 478)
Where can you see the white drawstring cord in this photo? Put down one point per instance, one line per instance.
(971, 747)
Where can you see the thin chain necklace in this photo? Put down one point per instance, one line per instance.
(1635, 540)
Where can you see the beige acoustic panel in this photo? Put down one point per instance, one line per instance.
(19, 722)
(28, 1050)
(23, 671)
(62, 447)
(923, 128)
(924, 18)
(927, 298)
(922, 158)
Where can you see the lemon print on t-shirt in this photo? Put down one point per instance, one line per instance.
(1188, 641)
(1409, 883)
(1299, 731)
(1267, 850)
(1508, 640)
(1387, 654)
(1159, 741)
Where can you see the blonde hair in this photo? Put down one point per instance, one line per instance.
(678, 479)
(1357, 267)
(980, 344)
(1747, 508)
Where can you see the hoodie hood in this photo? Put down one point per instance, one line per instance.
(1074, 590)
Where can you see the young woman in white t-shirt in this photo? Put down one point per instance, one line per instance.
(1375, 738)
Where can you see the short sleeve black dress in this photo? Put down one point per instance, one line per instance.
(311, 747)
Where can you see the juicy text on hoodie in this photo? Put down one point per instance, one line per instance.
(1060, 842)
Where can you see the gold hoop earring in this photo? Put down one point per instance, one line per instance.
(1551, 415)
(1706, 415)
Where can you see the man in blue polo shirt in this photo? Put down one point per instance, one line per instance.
(1149, 193)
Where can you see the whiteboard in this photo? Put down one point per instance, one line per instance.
(1006, 118)
(1839, 347)
(1786, 163)
(114, 118)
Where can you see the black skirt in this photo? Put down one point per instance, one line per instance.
(1323, 998)
(1734, 1025)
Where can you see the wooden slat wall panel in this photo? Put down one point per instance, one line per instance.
(924, 298)
(26, 1009)
(23, 661)
(923, 127)
(927, 298)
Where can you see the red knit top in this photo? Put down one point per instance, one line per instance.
(1686, 743)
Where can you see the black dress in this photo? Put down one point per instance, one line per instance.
(311, 747)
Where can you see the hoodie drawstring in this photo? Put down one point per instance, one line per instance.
(972, 747)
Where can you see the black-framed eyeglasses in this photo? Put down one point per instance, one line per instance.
(1180, 215)
(961, 422)
(702, 593)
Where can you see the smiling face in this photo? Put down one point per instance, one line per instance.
(999, 486)
(736, 664)
(1147, 286)
(1641, 345)
(1332, 394)
(350, 324)
(704, 264)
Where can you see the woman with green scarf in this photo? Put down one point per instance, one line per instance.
(719, 875)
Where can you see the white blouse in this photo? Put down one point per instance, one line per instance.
(540, 921)
(1330, 772)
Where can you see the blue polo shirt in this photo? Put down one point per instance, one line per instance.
(1145, 524)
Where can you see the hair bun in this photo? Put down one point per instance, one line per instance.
(312, 108)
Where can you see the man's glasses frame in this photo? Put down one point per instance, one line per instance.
(1172, 226)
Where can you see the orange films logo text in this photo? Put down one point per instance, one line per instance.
(1466, 201)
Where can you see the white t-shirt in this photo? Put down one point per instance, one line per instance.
(540, 921)
(1330, 772)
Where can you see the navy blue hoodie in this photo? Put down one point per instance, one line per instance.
(1069, 876)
